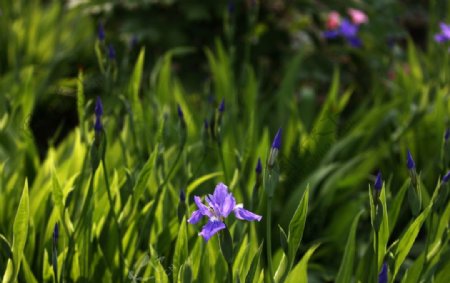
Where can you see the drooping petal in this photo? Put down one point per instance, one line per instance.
(245, 214)
(440, 38)
(195, 217)
(211, 228)
(201, 207)
(383, 275)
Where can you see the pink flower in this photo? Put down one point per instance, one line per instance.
(358, 17)
(333, 20)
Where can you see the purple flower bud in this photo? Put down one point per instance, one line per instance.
(258, 166)
(180, 112)
(98, 126)
(222, 106)
(111, 52)
(378, 182)
(55, 233)
(276, 144)
(98, 107)
(182, 195)
(446, 178)
(410, 161)
(383, 275)
(101, 32)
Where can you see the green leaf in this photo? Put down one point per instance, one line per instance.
(145, 175)
(197, 182)
(407, 240)
(396, 206)
(80, 104)
(253, 266)
(296, 228)
(20, 233)
(181, 248)
(299, 273)
(283, 240)
(6, 246)
(346, 269)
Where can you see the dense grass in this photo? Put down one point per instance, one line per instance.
(122, 195)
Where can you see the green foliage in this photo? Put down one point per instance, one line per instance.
(117, 203)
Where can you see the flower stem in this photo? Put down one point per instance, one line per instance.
(222, 161)
(269, 238)
(119, 235)
(376, 256)
(230, 272)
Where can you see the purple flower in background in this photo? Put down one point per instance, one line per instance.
(410, 161)
(446, 178)
(180, 112)
(98, 107)
(220, 204)
(55, 233)
(447, 134)
(258, 166)
(98, 115)
(101, 32)
(347, 30)
(383, 275)
(444, 36)
(111, 52)
(276, 144)
(222, 106)
(378, 182)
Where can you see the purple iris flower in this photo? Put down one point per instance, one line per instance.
(383, 275)
(220, 204)
(444, 35)
(347, 30)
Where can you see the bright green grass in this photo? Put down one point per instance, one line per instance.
(121, 222)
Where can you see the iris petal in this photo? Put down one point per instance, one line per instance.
(195, 217)
(211, 228)
(244, 214)
(201, 207)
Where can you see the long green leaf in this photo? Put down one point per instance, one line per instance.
(407, 240)
(181, 248)
(20, 233)
(299, 273)
(346, 269)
